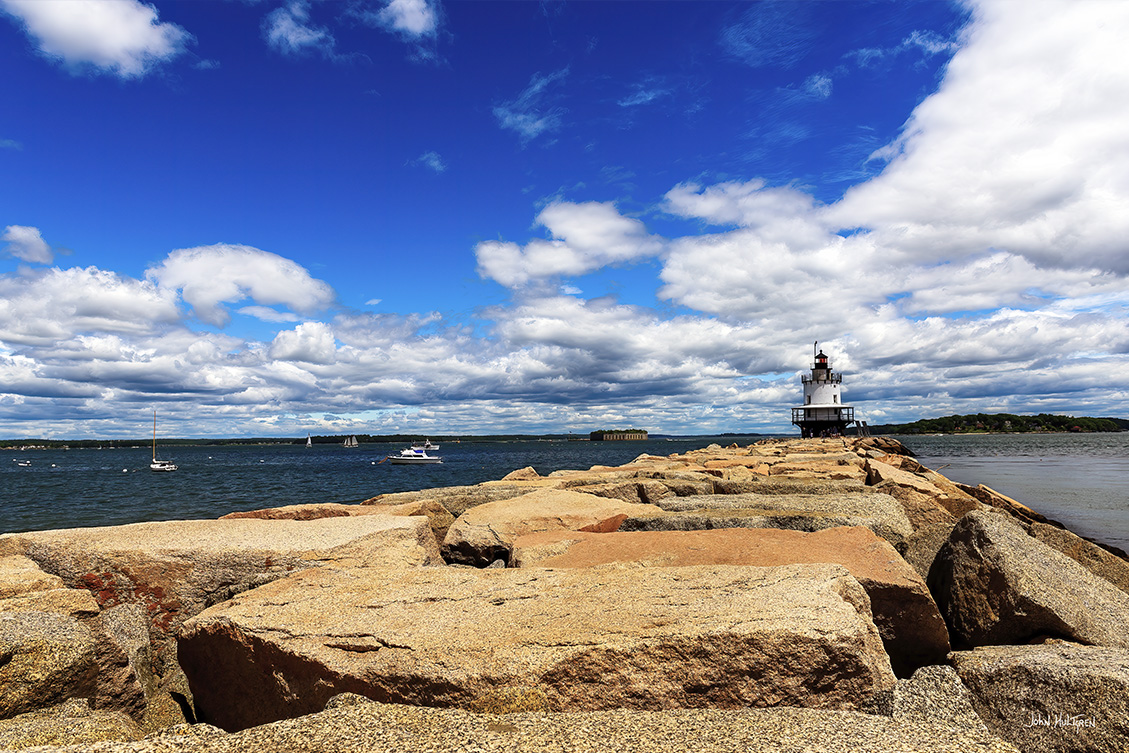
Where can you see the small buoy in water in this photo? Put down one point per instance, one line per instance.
(125, 470)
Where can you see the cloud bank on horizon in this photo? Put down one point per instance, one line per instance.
(971, 257)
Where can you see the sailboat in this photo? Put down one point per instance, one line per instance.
(351, 442)
(159, 465)
(309, 442)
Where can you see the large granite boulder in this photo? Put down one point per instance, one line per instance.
(486, 533)
(1089, 555)
(907, 619)
(931, 524)
(923, 481)
(788, 485)
(798, 512)
(20, 576)
(440, 518)
(936, 694)
(459, 499)
(881, 445)
(72, 723)
(997, 585)
(176, 569)
(72, 602)
(635, 491)
(125, 682)
(567, 639)
(355, 725)
(993, 498)
(45, 659)
(1056, 697)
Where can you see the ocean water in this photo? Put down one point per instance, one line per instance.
(92, 487)
(1080, 480)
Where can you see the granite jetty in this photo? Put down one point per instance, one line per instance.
(791, 595)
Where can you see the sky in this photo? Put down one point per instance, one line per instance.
(272, 218)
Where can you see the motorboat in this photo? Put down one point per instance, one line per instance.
(412, 456)
(162, 466)
(426, 447)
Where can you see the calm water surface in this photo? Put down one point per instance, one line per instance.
(1081, 480)
(90, 487)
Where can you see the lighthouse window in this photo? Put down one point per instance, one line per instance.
(835, 399)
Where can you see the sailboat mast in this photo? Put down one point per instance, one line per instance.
(154, 434)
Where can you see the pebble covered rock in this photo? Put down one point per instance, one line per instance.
(365, 727)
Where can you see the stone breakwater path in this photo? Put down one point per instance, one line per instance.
(792, 595)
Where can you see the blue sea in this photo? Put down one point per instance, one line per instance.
(1081, 480)
(92, 487)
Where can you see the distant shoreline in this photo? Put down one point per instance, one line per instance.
(334, 440)
(1005, 423)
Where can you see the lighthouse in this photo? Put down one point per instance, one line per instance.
(823, 412)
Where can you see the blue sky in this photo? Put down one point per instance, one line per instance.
(271, 218)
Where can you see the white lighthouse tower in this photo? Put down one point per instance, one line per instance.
(823, 412)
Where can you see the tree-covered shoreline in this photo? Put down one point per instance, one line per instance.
(1004, 423)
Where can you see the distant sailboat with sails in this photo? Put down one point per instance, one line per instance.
(155, 464)
(351, 442)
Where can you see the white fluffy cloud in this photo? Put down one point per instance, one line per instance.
(584, 237)
(981, 270)
(26, 244)
(209, 276)
(412, 18)
(44, 308)
(1004, 190)
(312, 342)
(119, 36)
(1023, 148)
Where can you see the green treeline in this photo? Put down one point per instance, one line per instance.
(982, 423)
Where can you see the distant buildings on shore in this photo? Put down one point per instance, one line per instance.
(617, 435)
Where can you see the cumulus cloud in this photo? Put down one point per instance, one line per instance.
(312, 342)
(410, 18)
(978, 271)
(26, 244)
(1005, 177)
(584, 237)
(287, 30)
(1021, 149)
(532, 113)
(45, 307)
(123, 37)
(209, 276)
(267, 314)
